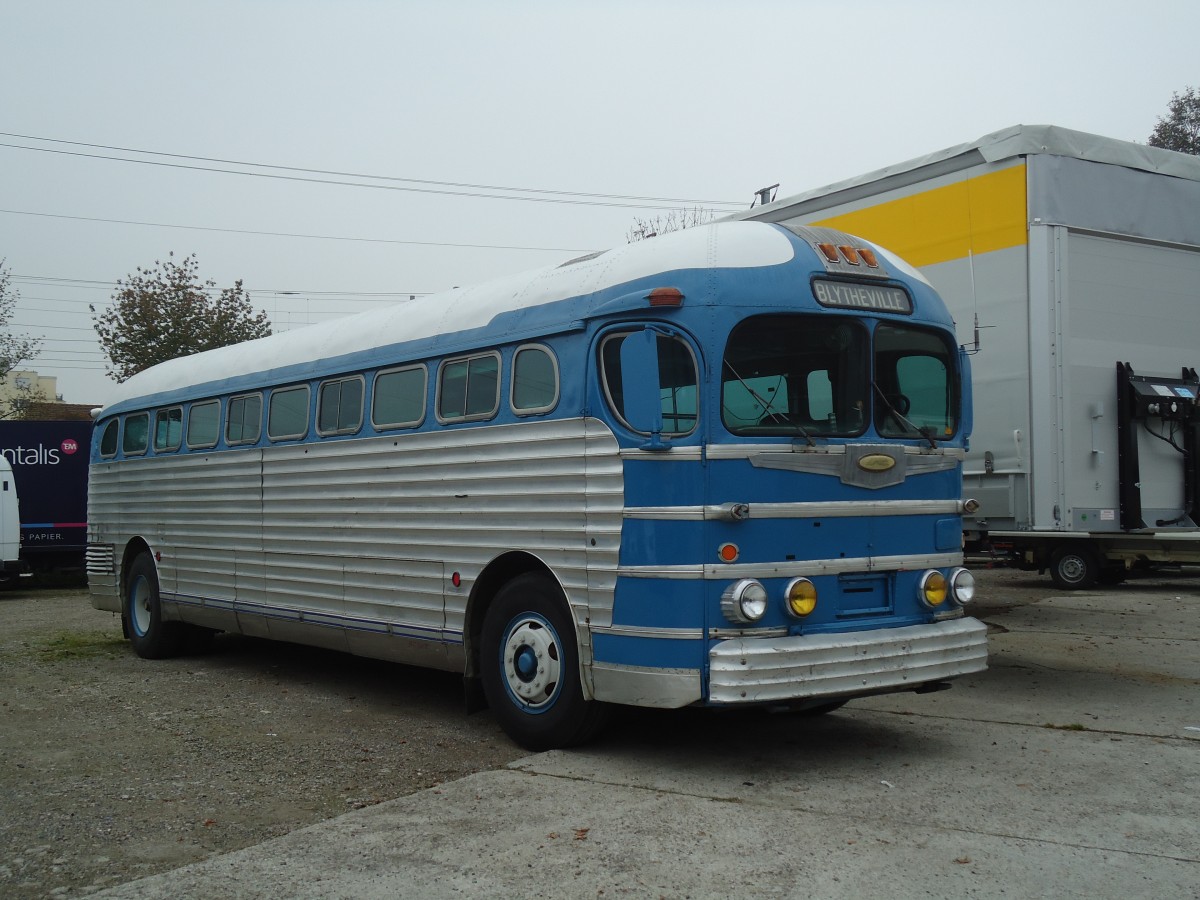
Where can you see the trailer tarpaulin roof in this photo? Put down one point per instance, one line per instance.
(1065, 185)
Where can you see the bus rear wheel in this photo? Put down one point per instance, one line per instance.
(529, 663)
(150, 635)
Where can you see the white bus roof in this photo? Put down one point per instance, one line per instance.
(719, 245)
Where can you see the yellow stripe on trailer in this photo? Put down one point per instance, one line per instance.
(972, 216)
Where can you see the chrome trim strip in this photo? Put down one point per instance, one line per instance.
(671, 454)
(828, 510)
(731, 633)
(747, 451)
(315, 618)
(645, 631)
(796, 569)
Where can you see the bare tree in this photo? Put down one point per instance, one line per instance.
(14, 351)
(674, 220)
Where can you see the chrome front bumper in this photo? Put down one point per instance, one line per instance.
(746, 670)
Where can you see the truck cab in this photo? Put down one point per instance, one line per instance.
(10, 525)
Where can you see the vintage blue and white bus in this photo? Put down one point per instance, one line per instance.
(718, 467)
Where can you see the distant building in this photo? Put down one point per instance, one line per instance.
(24, 394)
(58, 411)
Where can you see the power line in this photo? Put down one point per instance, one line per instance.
(58, 365)
(274, 296)
(281, 293)
(456, 184)
(69, 300)
(49, 327)
(474, 191)
(288, 234)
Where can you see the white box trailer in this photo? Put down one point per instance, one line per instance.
(1074, 260)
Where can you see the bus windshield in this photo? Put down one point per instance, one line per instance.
(914, 384)
(806, 376)
(796, 375)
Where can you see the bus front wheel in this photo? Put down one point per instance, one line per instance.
(151, 636)
(530, 667)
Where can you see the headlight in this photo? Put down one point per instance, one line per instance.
(962, 586)
(932, 589)
(744, 601)
(801, 597)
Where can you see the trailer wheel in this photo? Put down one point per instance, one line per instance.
(529, 665)
(151, 637)
(1074, 568)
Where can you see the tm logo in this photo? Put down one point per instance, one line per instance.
(70, 446)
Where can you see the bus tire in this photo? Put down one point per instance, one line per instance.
(529, 663)
(150, 635)
(1074, 568)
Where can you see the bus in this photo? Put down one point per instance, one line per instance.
(719, 467)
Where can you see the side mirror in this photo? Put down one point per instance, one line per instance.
(967, 423)
(640, 388)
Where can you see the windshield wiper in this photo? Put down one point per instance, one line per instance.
(923, 430)
(767, 405)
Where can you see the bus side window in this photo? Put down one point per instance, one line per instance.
(534, 381)
(469, 388)
(677, 382)
(287, 413)
(398, 400)
(204, 424)
(244, 420)
(108, 440)
(168, 429)
(340, 406)
(136, 435)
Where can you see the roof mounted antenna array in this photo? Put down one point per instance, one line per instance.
(763, 196)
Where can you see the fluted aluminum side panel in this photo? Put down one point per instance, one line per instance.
(363, 534)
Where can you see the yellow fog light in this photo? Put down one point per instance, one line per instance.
(933, 589)
(801, 597)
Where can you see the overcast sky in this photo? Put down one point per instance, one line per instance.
(691, 103)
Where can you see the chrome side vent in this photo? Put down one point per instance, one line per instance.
(99, 559)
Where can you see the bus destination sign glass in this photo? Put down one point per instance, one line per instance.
(874, 297)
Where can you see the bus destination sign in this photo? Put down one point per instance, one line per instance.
(874, 297)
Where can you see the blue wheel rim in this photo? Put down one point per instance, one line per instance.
(531, 663)
(139, 605)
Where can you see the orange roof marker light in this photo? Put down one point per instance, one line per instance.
(666, 296)
(837, 253)
(829, 252)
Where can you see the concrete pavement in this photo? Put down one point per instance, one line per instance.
(1071, 768)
